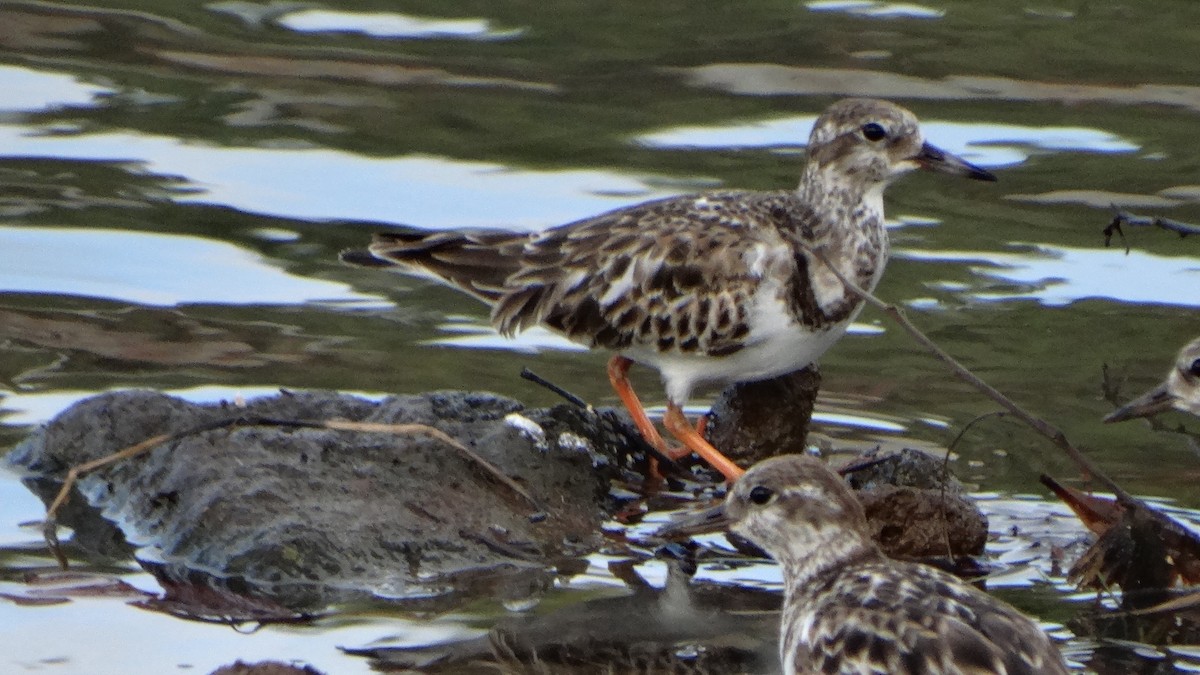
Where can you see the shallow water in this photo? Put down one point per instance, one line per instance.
(176, 180)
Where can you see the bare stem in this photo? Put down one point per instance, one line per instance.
(1133, 220)
(1039, 425)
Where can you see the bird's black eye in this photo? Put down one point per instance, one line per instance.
(873, 132)
(1194, 369)
(761, 494)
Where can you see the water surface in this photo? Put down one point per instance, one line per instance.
(176, 180)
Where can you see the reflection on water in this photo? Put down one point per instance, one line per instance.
(327, 184)
(31, 90)
(176, 181)
(774, 80)
(989, 145)
(35, 408)
(151, 269)
(876, 9)
(1062, 275)
(468, 333)
(385, 25)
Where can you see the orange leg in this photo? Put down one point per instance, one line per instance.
(618, 367)
(676, 423)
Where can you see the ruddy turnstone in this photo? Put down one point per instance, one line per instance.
(847, 607)
(1181, 390)
(709, 289)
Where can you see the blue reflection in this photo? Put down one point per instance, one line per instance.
(988, 144)
(150, 269)
(1062, 275)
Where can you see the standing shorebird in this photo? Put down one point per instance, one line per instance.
(709, 289)
(1181, 390)
(847, 607)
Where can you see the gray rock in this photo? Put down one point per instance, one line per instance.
(313, 515)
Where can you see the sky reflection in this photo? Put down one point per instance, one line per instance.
(150, 269)
(982, 143)
(390, 25)
(1062, 275)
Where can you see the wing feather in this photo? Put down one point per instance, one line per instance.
(926, 623)
(618, 279)
(674, 274)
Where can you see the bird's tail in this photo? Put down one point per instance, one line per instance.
(477, 262)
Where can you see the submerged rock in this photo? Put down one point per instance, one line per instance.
(265, 668)
(753, 421)
(915, 507)
(310, 515)
(261, 500)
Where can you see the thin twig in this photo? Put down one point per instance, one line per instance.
(438, 434)
(1133, 220)
(50, 525)
(631, 435)
(967, 427)
(533, 377)
(945, 477)
(1041, 426)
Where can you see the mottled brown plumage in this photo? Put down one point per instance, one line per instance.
(850, 609)
(1180, 390)
(713, 288)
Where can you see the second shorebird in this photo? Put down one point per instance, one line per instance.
(1181, 390)
(847, 608)
(709, 289)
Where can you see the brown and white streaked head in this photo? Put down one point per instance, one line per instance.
(1180, 390)
(801, 513)
(870, 143)
(797, 510)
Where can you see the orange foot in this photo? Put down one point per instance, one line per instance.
(691, 437)
(675, 422)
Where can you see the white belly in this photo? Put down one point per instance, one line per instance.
(775, 346)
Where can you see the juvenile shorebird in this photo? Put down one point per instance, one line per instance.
(709, 289)
(847, 607)
(1181, 390)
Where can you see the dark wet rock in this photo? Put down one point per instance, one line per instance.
(915, 507)
(310, 515)
(264, 668)
(752, 421)
(918, 523)
(908, 468)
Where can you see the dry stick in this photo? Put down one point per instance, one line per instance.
(1126, 218)
(50, 525)
(1041, 426)
(632, 436)
(493, 470)
(527, 374)
(944, 478)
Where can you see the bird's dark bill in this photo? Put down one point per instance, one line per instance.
(1157, 400)
(935, 159)
(701, 522)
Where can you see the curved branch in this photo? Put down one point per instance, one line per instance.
(1056, 436)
